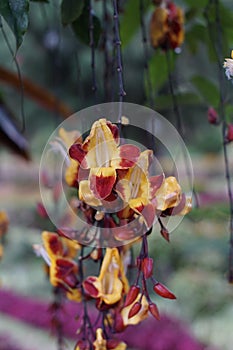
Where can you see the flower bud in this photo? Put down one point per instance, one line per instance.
(163, 291)
(134, 309)
(132, 295)
(165, 234)
(147, 267)
(212, 116)
(154, 311)
(229, 135)
(41, 211)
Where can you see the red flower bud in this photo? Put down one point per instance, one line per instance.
(132, 295)
(163, 291)
(212, 116)
(229, 136)
(147, 267)
(41, 211)
(134, 309)
(165, 234)
(154, 311)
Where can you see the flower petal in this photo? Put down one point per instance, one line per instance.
(86, 195)
(169, 194)
(52, 244)
(77, 153)
(102, 181)
(143, 207)
(127, 157)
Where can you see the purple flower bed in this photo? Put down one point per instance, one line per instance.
(166, 334)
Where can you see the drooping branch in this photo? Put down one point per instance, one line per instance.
(218, 49)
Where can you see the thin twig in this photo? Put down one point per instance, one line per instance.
(107, 57)
(179, 125)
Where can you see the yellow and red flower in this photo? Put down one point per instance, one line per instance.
(111, 284)
(167, 26)
(101, 154)
(62, 268)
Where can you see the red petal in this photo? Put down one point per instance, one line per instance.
(90, 288)
(102, 185)
(76, 152)
(212, 116)
(155, 183)
(118, 324)
(129, 155)
(114, 130)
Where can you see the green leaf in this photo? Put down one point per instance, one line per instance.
(130, 21)
(15, 13)
(207, 90)
(81, 25)
(158, 69)
(71, 10)
(47, 1)
(197, 3)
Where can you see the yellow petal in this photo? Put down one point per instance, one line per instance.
(100, 145)
(188, 206)
(69, 137)
(100, 343)
(140, 316)
(74, 295)
(71, 173)
(86, 195)
(169, 194)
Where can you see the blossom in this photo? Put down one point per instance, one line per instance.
(166, 26)
(111, 283)
(228, 65)
(101, 343)
(101, 154)
(62, 268)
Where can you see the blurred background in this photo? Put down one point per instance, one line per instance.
(58, 77)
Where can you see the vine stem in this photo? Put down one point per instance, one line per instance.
(18, 73)
(92, 46)
(117, 42)
(87, 325)
(107, 58)
(146, 53)
(179, 124)
(219, 56)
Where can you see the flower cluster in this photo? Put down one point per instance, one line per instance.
(120, 202)
(166, 26)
